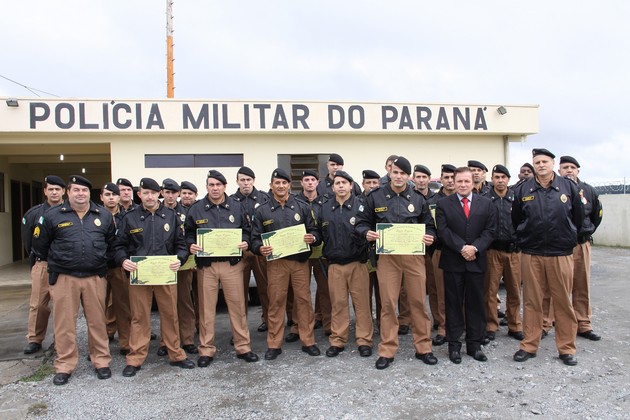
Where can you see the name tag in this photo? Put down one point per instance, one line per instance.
(64, 224)
(201, 222)
(380, 209)
(528, 198)
(138, 230)
(267, 222)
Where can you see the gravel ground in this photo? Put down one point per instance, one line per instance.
(299, 386)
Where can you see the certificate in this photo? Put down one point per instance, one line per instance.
(189, 264)
(400, 238)
(219, 242)
(285, 242)
(154, 270)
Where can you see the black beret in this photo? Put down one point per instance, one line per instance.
(536, 152)
(280, 173)
(448, 168)
(246, 171)
(569, 159)
(110, 186)
(170, 184)
(187, 185)
(213, 173)
(80, 180)
(423, 169)
(309, 172)
(477, 164)
(54, 180)
(370, 174)
(345, 175)
(125, 182)
(529, 165)
(334, 157)
(501, 170)
(403, 164)
(149, 184)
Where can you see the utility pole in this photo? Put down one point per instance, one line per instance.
(170, 85)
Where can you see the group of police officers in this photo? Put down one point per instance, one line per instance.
(539, 229)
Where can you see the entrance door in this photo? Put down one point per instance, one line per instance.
(20, 202)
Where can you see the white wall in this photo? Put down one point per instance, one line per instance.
(615, 227)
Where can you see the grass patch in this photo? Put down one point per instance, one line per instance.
(43, 371)
(38, 409)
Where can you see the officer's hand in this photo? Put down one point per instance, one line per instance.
(175, 266)
(265, 251)
(427, 239)
(243, 245)
(309, 238)
(129, 266)
(371, 236)
(194, 248)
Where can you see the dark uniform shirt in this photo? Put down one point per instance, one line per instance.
(74, 246)
(432, 203)
(273, 216)
(593, 211)
(30, 219)
(252, 201)
(229, 214)
(142, 233)
(324, 188)
(337, 224)
(505, 237)
(547, 220)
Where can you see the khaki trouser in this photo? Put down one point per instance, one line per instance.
(257, 264)
(38, 308)
(555, 274)
(119, 285)
(435, 289)
(281, 273)
(185, 307)
(506, 265)
(140, 299)
(230, 277)
(323, 307)
(391, 270)
(373, 291)
(353, 279)
(404, 311)
(582, 286)
(68, 293)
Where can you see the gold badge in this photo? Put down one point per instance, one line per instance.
(563, 198)
(297, 217)
(352, 220)
(97, 222)
(411, 208)
(167, 227)
(36, 232)
(231, 218)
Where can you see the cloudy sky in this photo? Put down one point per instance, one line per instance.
(570, 57)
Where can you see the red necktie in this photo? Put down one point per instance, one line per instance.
(466, 207)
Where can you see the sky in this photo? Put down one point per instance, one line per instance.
(572, 58)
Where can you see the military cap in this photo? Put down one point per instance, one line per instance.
(423, 169)
(334, 157)
(345, 175)
(448, 168)
(370, 174)
(280, 173)
(170, 184)
(309, 172)
(80, 180)
(125, 182)
(477, 164)
(54, 180)
(213, 173)
(529, 165)
(149, 184)
(244, 170)
(403, 164)
(187, 185)
(537, 152)
(569, 159)
(501, 170)
(110, 186)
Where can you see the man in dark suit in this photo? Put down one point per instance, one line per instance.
(466, 225)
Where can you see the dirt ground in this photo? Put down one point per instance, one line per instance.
(299, 386)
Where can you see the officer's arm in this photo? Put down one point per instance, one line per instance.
(121, 242)
(246, 227)
(190, 228)
(598, 211)
(517, 214)
(27, 232)
(365, 218)
(42, 238)
(427, 219)
(577, 208)
(311, 226)
(181, 249)
(257, 229)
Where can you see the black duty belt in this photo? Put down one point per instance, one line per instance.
(504, 246)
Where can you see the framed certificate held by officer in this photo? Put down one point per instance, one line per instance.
(400, 238)
(153, 270)
(285, 242)
(219, 242)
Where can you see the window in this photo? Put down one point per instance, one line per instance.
(193, 161)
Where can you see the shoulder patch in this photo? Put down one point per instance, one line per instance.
(36, 232)
(380, 209)
(527, 198)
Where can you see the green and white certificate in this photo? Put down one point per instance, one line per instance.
(153, 270)
(400, 238)
(189, 264)
(285, 242)
(219, 242)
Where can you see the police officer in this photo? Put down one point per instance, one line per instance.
(371, 181)
(126, 194)
(151, 229)
(503, 260)
(397, 202)
(547, 215)
(187, 197)
(593, 212)
(38, 310)
(218, 211)
(479, 171)
(435, 284)
(185, 308)
(251, 198)
(347, 269)
(281, 211)
(73, 237)
(335, 163)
